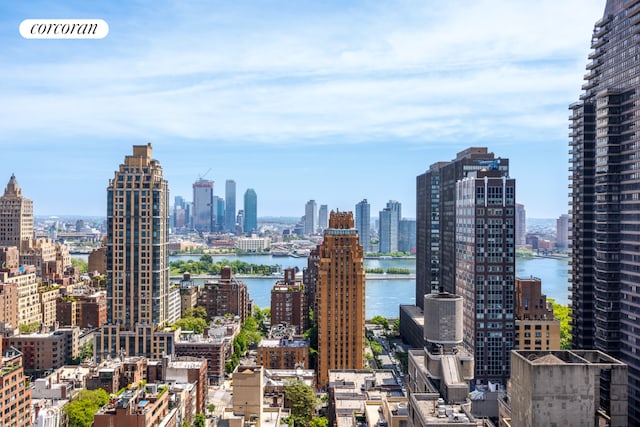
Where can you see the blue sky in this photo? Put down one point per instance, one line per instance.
(333, 101)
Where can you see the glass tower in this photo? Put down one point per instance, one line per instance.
(250, 211)
(605, 195)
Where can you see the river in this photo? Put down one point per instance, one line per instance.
(385, 296)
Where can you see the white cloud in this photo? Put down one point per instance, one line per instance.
(419, 71)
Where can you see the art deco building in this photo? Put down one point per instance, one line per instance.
(604, 192)
(341, 298)
(16, 216)
(137, 259)
(485, 269)
(203, 205)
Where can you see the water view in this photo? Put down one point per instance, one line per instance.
(385, 295)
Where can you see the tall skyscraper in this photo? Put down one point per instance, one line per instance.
(562, 231)
(521, 225)
(363, 224)
(16, 217)
(310, 217)
(604, 150)
(179, 213)
(389, 226)
(137, 258)
(436, 218)
(203, 205)
(407, 235)
(341, 298)
(323, 218)
(485, 269)
(218, 213)
(250, 211)
(230, 206)
(436, 230)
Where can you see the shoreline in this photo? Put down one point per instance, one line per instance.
(369, 276)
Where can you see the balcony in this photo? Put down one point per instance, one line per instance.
(591, 65)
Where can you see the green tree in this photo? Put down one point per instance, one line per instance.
(194, 324)
(199, 420)
(211, 408)
(301, 399)
(197, 311)
(206, 259)
(319, 422)
(563, 314)
(81, 410)
(382, 321)
(376, 348)
(29, 328)
(80, 263)
(86, 351)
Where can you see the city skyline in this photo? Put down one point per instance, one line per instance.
(378, 92)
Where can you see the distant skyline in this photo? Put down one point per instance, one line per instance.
(330, 101)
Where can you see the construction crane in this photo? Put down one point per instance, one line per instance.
(204, 174)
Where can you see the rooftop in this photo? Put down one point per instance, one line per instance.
(432, 411)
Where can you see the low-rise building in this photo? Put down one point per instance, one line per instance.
(139, 407)
(97, 261)
(253, 243)
(189, 293)
(145, 341)
(184, 372)
(46, 351)
(350, 390)
(83, 309)
(15, 396)
(26, 281)
(216, 349)
(288, 302)
(284, 353)
(535, 327)
(48, 296)
(173, 310)
(227, 296)
(9, 305)
(585, 388)
(430, 410)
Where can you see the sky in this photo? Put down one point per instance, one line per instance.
(333, 101)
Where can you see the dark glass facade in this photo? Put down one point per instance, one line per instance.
(605, 196)
(436, 218)
(485, 270)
